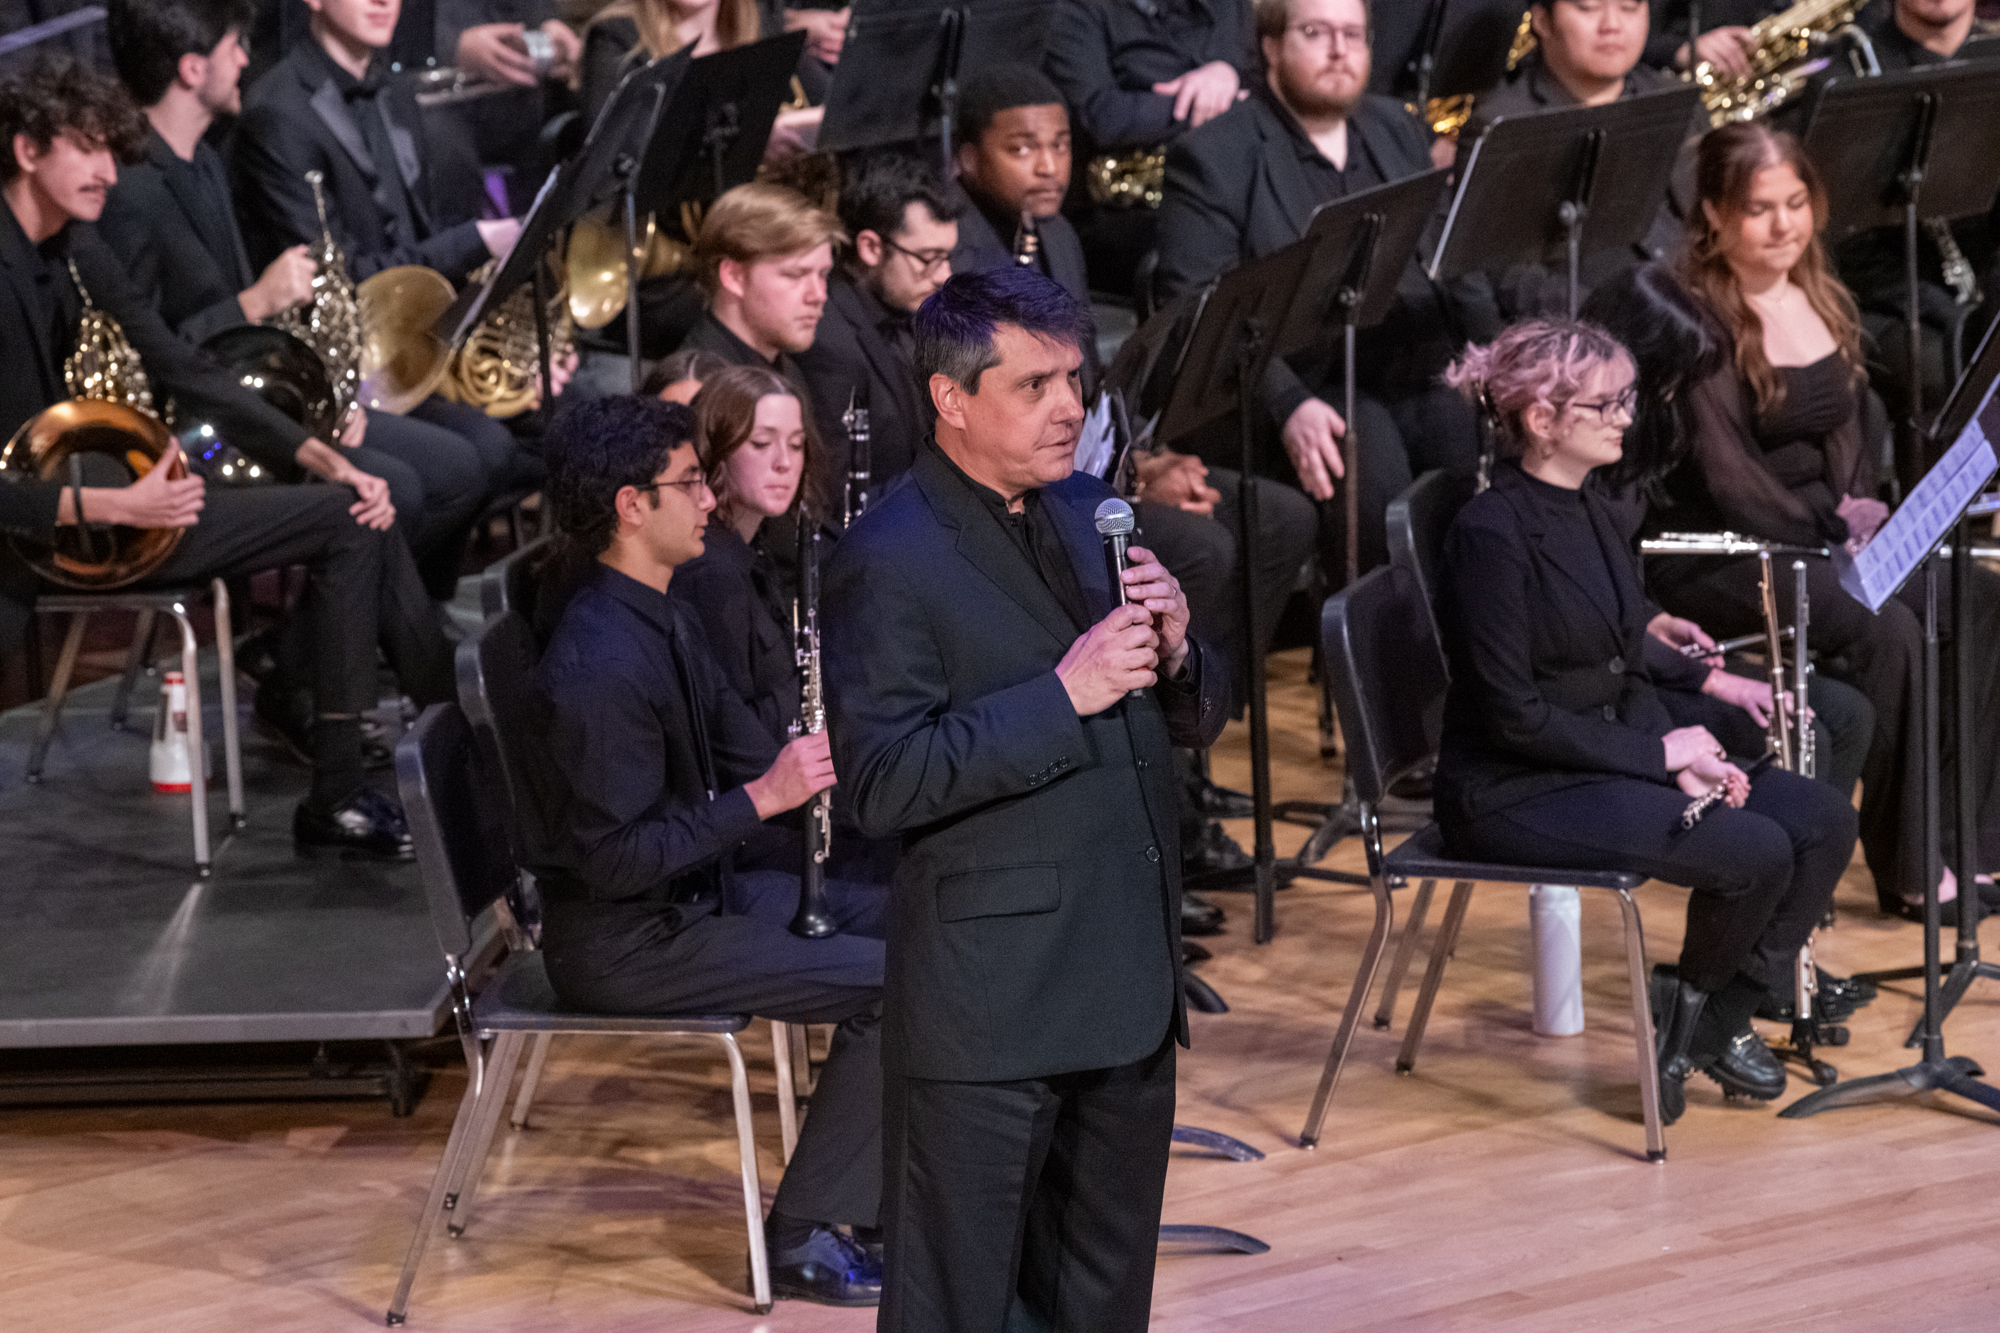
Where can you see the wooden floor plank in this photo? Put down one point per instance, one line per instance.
(1502, 1186)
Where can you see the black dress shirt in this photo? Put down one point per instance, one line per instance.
(173, 222)
(648, 752)
(1106, 55)
(712, 335)
(1035, 537)
(736, 591)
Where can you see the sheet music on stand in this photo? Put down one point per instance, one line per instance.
(1874, 574)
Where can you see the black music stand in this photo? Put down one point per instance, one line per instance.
(1899, 150)
(897, 80)
(606, 167)
(1443, 48)
(1550, 186)
(1971, 400)
(1222, 371)
(1936, 507)
(714, 124)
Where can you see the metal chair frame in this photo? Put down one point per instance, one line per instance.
(1381, 748)
(148, 605)
(516, 1004)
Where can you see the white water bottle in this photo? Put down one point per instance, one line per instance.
(1555, 919)
(168, 757)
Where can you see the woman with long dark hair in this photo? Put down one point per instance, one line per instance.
(1557, 749)
(756, 440)
(1785, 445)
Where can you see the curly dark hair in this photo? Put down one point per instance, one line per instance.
(58, 95)
(597, 448)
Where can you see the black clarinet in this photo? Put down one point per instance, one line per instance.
(860, 457)
(813, 920)
(1027, 241)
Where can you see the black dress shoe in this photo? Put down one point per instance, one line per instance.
(1856, 992)
(1676, 1010)
(828, 1267)
(1829, 1006)
(1193, 953)
(1747, 1068)
(1225, 802)
(368, 826)
(1199, 916)
(1212, 851)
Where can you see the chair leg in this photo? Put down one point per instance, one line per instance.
(805, 1074)
(525, 1098)
(1364, 978)
(788, 1101)
(232, 744)
(1642, 1029)
(197, 752)
(500, 1067)
(45, 730)
(1441, 951)
(435, 1205)
(1406, 946)
(753, 1190)
(137, 657)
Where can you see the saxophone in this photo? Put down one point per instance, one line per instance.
(330, 323)
(1783, 44)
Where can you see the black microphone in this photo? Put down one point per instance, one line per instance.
(1115, 524)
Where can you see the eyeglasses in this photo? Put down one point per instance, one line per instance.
(926, 260)
(692, 487)
(1330, 35)
(1625, 405)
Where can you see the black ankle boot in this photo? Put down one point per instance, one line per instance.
(1677, 1009)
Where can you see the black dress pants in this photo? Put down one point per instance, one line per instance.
(1882, 656)
(1030, 1206)
(1761, 876)
(437, 482)
(624, 958)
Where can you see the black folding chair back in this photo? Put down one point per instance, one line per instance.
(1388, 680)
(509, 583)
(445, 781)
(1418, 520)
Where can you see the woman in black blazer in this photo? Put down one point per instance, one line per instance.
(1557, 751)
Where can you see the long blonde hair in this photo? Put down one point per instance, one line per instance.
(736, 24)
(1729, 161)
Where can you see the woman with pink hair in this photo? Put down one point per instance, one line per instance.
(1557, 750)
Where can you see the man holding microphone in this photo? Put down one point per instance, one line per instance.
(996, 707)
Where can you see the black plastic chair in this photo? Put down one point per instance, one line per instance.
(1388, 678)
(445, 785)
(510, 583)
(1418, 520)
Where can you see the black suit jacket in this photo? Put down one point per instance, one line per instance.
(850, 353)
(1035, 914)
(1237, 190)
(1548, 690)
(31, 378)
(294, 121)
(191, 266)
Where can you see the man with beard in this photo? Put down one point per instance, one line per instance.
(1247, 184)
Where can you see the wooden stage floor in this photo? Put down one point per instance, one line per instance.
(1502, 1186)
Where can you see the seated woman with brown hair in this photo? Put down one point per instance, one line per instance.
(1557, 750)
(1785, 446)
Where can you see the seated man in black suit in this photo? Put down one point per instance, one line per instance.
(763, 255)
(657, 773)
(1958, 266)
(173, 221)
(903, 225)
(995, 707)
(331, 106)
(62, 126)
(1136, 77)
(1246, 184)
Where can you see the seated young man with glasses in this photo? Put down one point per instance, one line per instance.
(656, 774)
(904, 225)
